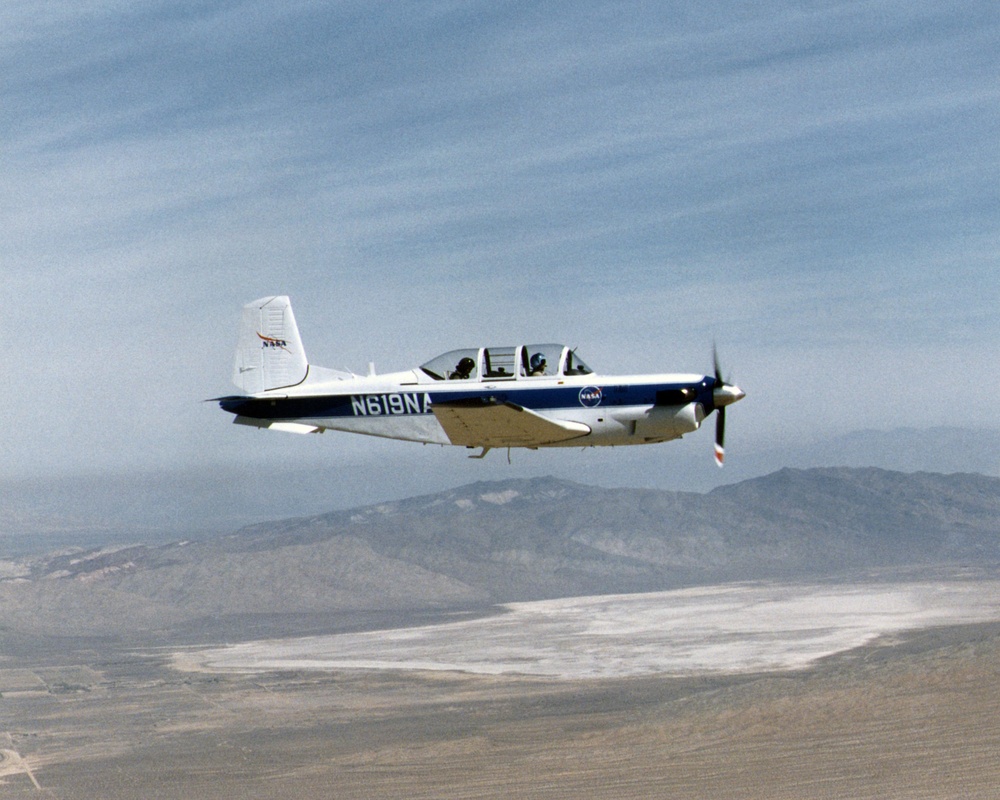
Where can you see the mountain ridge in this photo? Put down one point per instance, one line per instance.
(38, 513)
(514, 540)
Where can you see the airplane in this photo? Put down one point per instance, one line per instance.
(531, 396)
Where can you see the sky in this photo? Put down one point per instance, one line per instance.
(811, 186)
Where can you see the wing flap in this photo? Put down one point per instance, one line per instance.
(479, 423)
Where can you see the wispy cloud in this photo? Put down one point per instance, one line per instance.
(802, 182)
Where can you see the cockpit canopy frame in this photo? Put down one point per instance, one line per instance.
(523, 362)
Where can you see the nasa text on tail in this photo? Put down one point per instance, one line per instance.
(530, 395)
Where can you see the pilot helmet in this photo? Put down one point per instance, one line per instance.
(465, 366)
(537, 362)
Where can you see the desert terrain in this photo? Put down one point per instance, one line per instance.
(871, 691)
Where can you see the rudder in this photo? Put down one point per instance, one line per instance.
(269, 354)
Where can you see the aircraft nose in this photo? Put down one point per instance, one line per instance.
(727, 394)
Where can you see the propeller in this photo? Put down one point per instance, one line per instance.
(723, 394)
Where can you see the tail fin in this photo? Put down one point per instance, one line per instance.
(269, 354)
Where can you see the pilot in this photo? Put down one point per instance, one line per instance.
(463, 369)
(536, 365)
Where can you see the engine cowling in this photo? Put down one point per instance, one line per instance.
(670, 422)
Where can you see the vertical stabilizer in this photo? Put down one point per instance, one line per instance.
(270, 353)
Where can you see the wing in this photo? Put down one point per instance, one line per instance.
(481, 423)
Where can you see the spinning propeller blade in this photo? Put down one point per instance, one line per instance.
(723, 395)
(720, 435)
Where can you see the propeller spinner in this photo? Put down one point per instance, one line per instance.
(723, 394)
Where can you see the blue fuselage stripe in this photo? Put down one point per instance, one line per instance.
(408, 400)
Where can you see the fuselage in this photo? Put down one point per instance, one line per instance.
(616, 410)
(535, 395)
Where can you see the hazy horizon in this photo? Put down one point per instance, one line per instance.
(194, 502)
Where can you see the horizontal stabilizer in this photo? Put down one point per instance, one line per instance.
(287, 427)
